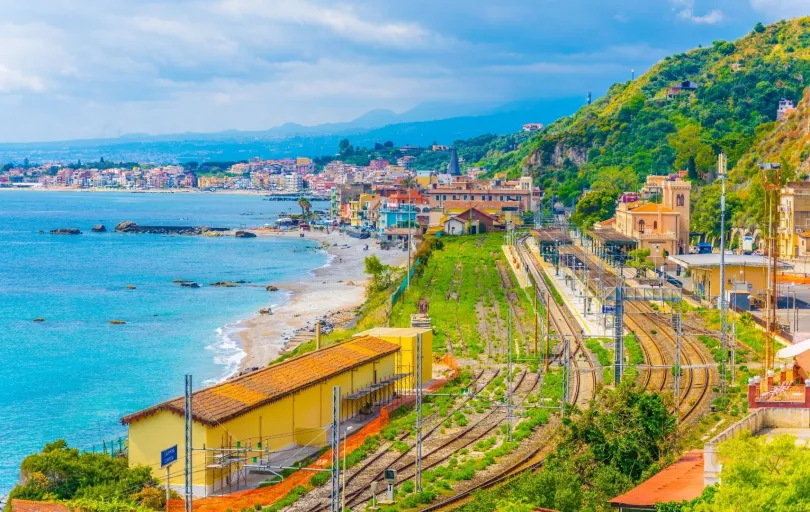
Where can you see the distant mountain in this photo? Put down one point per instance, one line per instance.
(293, 139)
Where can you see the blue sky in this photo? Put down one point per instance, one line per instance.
(101, 68)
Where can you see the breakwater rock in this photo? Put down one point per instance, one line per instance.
(66, 231)
(131, 227)
(99, 228)
(244, 234)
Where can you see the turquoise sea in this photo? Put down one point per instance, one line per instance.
(74, 375)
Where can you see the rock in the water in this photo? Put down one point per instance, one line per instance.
(189, 285)
(265, 311)
(40, 319)
(99, 228)
(224, 284)
(126, 227)
(244, 234)
(41, 232)
(181, 281)
(271, 288)
(130, 287)
(66, 231)
(117, 322)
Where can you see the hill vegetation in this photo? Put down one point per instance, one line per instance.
(644, 127)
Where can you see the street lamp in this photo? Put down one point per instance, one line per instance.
(343, 498)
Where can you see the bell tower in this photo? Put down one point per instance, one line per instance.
(676, 197)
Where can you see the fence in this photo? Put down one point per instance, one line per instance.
(404, 284)
(113, 448)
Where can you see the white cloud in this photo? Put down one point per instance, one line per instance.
(782, 8)
(343, 21)
(685, 10)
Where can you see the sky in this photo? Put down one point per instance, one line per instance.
(102, 68)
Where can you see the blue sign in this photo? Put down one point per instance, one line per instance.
(608, 309)
(168, 456)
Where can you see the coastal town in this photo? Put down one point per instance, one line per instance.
(609, 312)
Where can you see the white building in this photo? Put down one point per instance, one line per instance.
(293, 182)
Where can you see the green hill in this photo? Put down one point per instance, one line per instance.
(639, 128)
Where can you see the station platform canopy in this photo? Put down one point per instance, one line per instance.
(610, 237)
(731, 260)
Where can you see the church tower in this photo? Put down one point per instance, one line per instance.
(676, 197)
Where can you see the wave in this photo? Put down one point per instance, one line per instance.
(228, 351)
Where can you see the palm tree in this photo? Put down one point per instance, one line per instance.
(408, 182)
(305, 205)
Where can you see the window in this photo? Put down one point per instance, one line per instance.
(655, 225)
(444, 197)
(437, 197)
(465, 197)
(472, 198)
(501, 198)
(641, 226)
(454, 197)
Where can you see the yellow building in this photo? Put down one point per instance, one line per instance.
(746, 273)
(282, 406)
(662, 228)
(303, 160)
(794, 219)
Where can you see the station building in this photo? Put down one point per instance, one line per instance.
(746, 276)
(287, 405)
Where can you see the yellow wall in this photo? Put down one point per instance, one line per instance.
(406, 338)
(297, 419)
(710, 278)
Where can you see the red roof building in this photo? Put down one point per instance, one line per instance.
(680, 481)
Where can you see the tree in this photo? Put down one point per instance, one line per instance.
(409, 182)
(595, 206)
(759, 474)
(691, 169)
(616, 180)
(388, 144)
(381, 274)
(59, 472)
(759, 27)
(305, 206)
(638, 259)
(345, 147)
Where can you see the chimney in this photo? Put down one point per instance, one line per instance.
(318, 335)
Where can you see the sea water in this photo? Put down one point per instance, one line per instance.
(74, 375)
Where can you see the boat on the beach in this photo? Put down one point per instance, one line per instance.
(362, 234)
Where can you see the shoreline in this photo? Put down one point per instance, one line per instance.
(268, 193)
(334, 290)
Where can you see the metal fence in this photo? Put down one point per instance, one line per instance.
(404, 284)
(114, 448)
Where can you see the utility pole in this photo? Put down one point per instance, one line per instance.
(677, 321)
(419, 412)
(721, 171)
(335, 495)
(188, 422)
(566, 373)
(548, 332)
(618, 332)
(509, 391)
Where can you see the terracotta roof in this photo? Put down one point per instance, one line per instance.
(485, 205)
(651, 208)
(680, 481)
(238, 396)
(607, 222)
(37, 506)
(466, 213)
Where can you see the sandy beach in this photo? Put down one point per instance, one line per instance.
(334, 290)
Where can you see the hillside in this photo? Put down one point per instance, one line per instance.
(638, 128)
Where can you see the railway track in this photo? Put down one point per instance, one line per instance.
(405, 462)
(698, 382)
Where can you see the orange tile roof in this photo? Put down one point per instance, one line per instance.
(480, 205)
(651, 208)
(680, 481)
(238, 396)
(37, 506)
